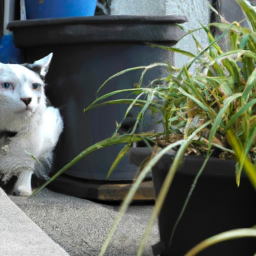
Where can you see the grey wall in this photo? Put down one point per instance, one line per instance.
(195, 10)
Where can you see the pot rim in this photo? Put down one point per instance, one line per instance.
(104, 19)
(190, 164)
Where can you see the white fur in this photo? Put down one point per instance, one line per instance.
(37, 126)
(23, 184)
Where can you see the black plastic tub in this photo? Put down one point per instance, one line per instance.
(87, 51)
(97, 29)
(216, 205)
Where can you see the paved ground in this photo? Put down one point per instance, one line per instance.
(81, 226)
(20, 236)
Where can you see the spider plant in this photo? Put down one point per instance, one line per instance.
(214, 107)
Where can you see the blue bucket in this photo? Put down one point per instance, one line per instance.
(8, 52)
(39, 9)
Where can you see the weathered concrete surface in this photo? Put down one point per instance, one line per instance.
(20, 236)
(138, 7)
(196, 11)
(81, 226)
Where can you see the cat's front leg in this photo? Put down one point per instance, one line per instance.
(15, 161)
(23, 184)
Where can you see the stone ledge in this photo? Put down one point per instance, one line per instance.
(20, 235)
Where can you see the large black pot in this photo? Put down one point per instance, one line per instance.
(216, 205)
(87, 51)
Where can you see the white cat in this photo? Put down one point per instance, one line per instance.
(27, 124)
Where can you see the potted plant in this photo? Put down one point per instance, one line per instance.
(209, 116)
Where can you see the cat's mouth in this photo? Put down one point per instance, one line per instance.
(28, 109)
(25, 110)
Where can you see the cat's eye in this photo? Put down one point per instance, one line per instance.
(36, 86)
(6, 85)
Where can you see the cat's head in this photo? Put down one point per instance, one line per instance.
(22, 92)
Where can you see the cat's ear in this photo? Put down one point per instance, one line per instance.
(40, 66)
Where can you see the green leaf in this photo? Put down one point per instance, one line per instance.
(252, 43)
(240, 112)
(125, 71)
(244, 41)
(168, 180)
(142, 112)
(223, 148)
(199, 103)
(141, 103)
(250, 12)
(132, 191)
(32, 156)
(173, 49)
(235, 28)
(250, 84)
(188, 32)
(169, 78)
(120, 156)
(236, 145)
(233, 40)
(225, 236)
(247, 147)
(128, 110)
(225, 88)
(142, 176)
(121, 91)
(235, 53)
(228, 55)
(207, 47)
(188, 198)
(218, 118)
(102, 144)
(148, 68)
(235, 73)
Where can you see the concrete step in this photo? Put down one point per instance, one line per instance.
(20, 236)
(80, 226)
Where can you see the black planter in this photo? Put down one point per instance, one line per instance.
(216, 205)
(87, 51)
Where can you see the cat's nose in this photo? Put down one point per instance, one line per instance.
(26, 100)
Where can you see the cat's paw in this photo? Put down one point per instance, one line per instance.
(23, 184)
(22, 191)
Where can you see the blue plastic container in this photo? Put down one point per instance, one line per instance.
(8, 52)
(40, 9)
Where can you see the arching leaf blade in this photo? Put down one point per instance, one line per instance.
(229, 235)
